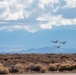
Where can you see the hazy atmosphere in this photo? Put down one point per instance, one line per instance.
(34, 24)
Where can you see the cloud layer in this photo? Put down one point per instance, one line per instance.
(34, 15)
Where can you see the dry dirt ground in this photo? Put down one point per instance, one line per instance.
(49, 74)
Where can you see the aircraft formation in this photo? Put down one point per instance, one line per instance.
(56, 41)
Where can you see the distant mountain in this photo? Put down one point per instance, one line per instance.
(48, 50)
(40, 41)
(43, 50)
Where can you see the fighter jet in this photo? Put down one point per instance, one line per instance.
(63, 42)
(55, 41)
(57, 46)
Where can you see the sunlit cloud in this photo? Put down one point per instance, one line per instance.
(43, 3)
(43, 14)
(70, 4)
(55, 20)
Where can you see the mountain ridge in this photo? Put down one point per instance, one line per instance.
(42, 51)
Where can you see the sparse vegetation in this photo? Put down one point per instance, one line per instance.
(37, 68)
(52, 67)
(65, 67)
(3, 70)
(40, 68)
(18, 68)
(37, 63)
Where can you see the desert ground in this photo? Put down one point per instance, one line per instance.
(48, 74)
(38, 64)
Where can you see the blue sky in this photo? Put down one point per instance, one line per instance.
(34, 23)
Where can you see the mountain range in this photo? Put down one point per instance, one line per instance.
(40, 41)
(42, 51)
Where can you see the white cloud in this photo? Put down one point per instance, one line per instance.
(3, 22)
(29, 28)
(46, 22)
(54, 20)
(15, 9)
(44, 3)
(45, 26)
(45, 14)
(8, 28)
(56, 9)
(70, 3)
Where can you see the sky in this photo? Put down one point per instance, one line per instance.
(34, 23)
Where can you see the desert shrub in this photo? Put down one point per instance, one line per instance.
(3, 70)
(65, 67)
(1, 64)
(52, 67)
(37, 68)
(30, 67)
(13, 69)
(57, 64)
(18, 68)
(43, 69)
(73, 66)
(40, 68)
